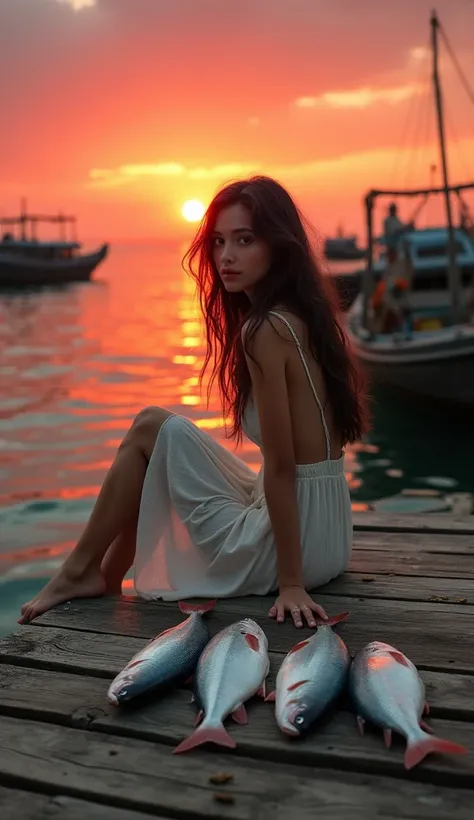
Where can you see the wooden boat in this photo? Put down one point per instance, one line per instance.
(27, 262)
(342, 247)
(431, 353)
(435, 364)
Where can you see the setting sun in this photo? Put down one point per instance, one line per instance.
(193, 210)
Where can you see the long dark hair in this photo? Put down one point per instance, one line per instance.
(294, 282)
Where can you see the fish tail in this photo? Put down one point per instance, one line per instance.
(206, 734)
(336, 619)
(417, 750)
(187, 608)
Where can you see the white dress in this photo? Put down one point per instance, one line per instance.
(204, 528)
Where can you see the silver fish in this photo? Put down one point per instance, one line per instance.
(232, 668)
(386, 689)
(311, 678)
(169, 659)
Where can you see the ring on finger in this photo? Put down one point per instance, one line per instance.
(295, 609)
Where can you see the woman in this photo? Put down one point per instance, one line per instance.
(200, 521)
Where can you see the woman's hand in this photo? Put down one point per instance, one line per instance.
(296, 600)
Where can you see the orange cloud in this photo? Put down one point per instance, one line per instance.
(77, 5)
(125, 174)
(360, 97)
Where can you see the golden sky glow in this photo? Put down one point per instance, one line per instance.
(121, 117)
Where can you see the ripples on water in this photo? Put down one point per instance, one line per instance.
(78, 363)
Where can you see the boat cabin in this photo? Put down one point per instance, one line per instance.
(426, 252)
(33, 249)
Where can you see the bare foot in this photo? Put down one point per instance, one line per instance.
(65, 585)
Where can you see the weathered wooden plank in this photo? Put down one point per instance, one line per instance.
(401, 587)
(142, 775)
(429, 522)
(428, 565)
(336, 743)
(424, 631)
(414, 541)
(62, 695)
(22, 805)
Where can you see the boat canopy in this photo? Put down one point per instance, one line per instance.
(7, 242)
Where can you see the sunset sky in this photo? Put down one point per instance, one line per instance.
(121, 110)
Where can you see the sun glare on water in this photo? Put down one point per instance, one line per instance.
(193, 210)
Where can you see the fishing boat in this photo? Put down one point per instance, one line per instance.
(342, 247)
(26, 261)
(426, 278)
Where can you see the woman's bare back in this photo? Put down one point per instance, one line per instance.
(309, 439)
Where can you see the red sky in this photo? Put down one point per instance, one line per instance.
(120, 110)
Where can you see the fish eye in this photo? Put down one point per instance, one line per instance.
(299, 720)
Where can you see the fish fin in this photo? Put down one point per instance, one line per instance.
(240, 715)
(271, 697)
(417, 751)
(387, 736)
(426, 727)
(399, 657)
(199, 717)
(206, 734)
(360, 724)
(426, 708)
(133, 663)
(262, 692)
(298, 683)
(252, 641)
(187, 608)
(298, 646)
(335, 619)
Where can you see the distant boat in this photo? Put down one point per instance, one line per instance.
(429, 275)
(343, 249)
(26, 261)
(340, 248)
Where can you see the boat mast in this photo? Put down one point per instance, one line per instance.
(453, 269)
(23, 218)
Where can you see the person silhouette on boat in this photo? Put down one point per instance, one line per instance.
(394, 228)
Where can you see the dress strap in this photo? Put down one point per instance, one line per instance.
(305, 365)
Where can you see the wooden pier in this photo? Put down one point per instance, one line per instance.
(65, 753)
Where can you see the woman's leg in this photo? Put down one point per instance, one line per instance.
(118, 559)
(115, 512)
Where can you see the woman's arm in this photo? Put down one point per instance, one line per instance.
(267, 365)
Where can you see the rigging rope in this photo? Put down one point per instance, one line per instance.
(455, 139)
(403, 143)
(469, 91)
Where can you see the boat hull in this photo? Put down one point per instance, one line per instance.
(449, 382)
(17, 272)
(440, 371)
